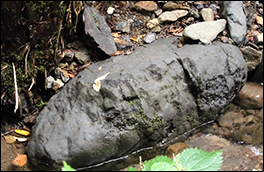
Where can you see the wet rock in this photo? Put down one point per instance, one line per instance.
(235, 157)
(82, 57)
(157, 91)
(250, 96)
(124, 43)
(206, 32)
(169, 16)
(173, 6)
(252, 57)
(146, 6)
(207, 14)
(175, 149)
(98, 33)
(149, 38)
(123, 26)
(235, 14)
(258, 74)
(227, 119)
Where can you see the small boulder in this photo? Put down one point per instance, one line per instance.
(252, 57)
(169, 16)
(146, 6)
(207, 14)
(235, 14)
(206, 31)
(250, 96)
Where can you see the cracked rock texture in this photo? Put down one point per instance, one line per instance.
(156, 92)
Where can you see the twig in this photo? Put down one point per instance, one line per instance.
(16, 93)
(32, 83)
(58, 40)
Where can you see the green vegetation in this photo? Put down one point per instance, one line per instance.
(190, 159)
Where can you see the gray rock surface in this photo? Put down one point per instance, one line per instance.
(252, 56)
(97, 31)
(235, 14)
(148, 95)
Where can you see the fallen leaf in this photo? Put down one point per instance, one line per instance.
(97, 83)
(20, 160)
(134, 39)
(64, 72)
(22, 132)
(116, 34)
(98, 70)
(20, 139)
(97, 86)
(259, 20)
(9, 139)
(102, 77)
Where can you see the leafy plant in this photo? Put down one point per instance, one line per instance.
(191, 159)
(67, 167)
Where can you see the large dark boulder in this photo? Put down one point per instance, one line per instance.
(157, 91)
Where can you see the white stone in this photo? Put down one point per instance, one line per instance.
(172, 15)
(152, 23)
(110, 10)
(207, 14)
(206, 31)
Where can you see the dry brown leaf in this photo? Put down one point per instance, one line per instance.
(20, 160)
(259, 20)
(116, 34)
(9, 139)
(64, 72)
(133, 39)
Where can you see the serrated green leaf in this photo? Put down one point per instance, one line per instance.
(132, 169)
(162, 166)
(193, 159)
(67, 167)
(150, 165)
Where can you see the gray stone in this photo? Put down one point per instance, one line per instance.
(235, 14)
(82, 57)
(150, 37)
(206, 31)
(98, 33)
(123, 26)
(148, 95)
(258, 74)
(252, 57)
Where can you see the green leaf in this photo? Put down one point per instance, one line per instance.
(67, 167)
(132, 169)
(193, 159)
(159, 163)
